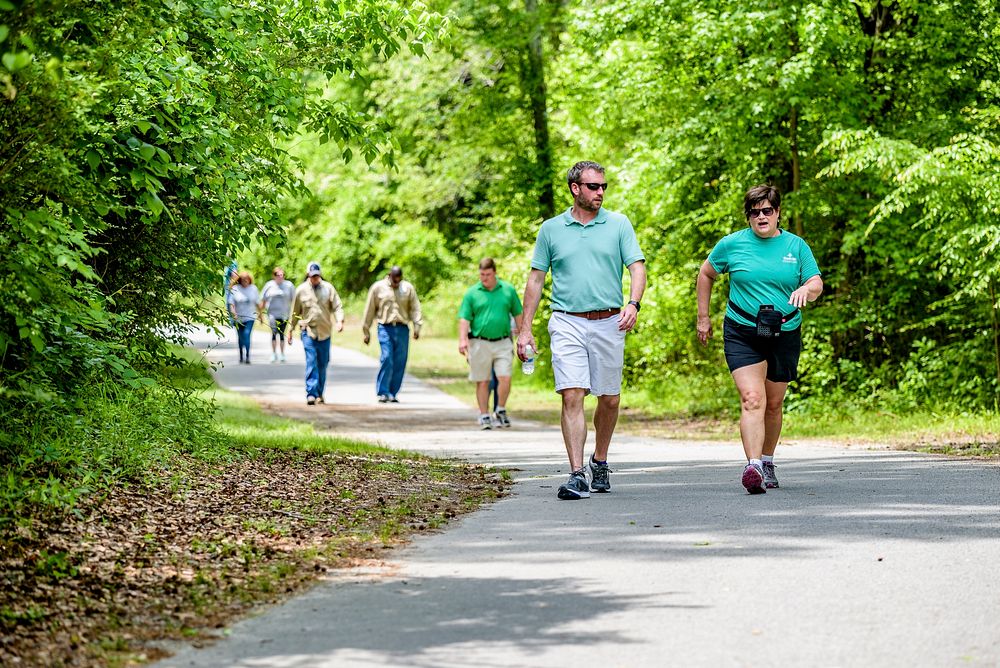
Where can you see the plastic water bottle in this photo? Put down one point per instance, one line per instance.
(528, 365)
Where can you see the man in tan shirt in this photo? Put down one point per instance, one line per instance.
(315, 308)
(393, 303)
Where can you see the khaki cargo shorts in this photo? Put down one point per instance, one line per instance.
(488, 356)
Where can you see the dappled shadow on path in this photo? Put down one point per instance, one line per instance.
(693, 509)
(407, 622)
(669, 553)
(661, 520)
(690, 508)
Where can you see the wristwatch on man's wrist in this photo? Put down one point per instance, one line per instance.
(636, 304)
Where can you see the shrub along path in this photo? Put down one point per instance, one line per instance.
(861, 557)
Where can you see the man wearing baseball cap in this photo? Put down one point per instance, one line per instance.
(314, 309)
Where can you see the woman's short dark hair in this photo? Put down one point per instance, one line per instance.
(758, 194)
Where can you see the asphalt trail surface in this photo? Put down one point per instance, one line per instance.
(861, 558)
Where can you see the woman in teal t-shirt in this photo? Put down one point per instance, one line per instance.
(772, 274)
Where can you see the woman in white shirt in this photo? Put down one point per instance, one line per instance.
(242, 303)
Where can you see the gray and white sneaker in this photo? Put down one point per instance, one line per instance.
(770, 477)
(599, 479)
(575, 488)
(500, 417)
(485, 422)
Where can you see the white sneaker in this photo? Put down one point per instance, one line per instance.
(274, 358)
(281, 358)
(501, 419)
(485, 422)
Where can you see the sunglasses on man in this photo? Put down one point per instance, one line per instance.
(596, 186)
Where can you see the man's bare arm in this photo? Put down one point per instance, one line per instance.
(532, 297)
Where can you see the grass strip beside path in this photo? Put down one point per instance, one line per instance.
(192, 547)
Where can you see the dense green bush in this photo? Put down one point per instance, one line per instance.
(142, 147)
(52, 452)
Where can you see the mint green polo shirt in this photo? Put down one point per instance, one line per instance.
(586, 261)
(490, 311)
(763, 271)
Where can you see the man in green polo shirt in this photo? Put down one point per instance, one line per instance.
(586, 249)
(484, 336)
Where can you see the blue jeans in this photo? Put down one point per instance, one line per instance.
(243, 330)
(317, 359)
(395, 343)
(495, 390)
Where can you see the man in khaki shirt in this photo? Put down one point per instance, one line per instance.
(315, 308)
(393, 303)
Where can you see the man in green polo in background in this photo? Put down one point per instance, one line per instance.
(484, 337)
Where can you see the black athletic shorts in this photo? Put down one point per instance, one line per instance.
(743, 347)
(278, 328)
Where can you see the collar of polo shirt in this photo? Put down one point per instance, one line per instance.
(568, 219)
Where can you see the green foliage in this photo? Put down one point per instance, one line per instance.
(51, 453)
(423, 252)
(136, 159)
(144, 144)
(878, 121)
(464, 181)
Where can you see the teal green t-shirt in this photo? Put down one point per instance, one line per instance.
(490, 311)
(587, 261)
(763, 271)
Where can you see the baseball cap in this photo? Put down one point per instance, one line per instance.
(313, 269)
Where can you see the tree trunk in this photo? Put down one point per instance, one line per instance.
(996, 339)
(796, 168)
(534, 83)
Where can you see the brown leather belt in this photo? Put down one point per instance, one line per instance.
(593, 315)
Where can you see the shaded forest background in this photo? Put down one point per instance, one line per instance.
(878, 121)
(146, 144)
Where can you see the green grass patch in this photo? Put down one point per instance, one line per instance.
(248, 427)
(918, 427)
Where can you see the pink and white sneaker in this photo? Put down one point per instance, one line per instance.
(753, 479)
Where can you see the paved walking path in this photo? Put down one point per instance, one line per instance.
(862, 558)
